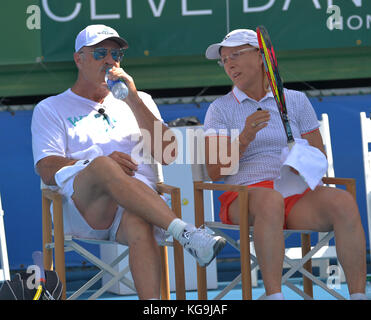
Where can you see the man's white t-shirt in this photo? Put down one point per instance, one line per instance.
(68, 124)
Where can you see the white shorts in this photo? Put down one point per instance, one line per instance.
(74, 223)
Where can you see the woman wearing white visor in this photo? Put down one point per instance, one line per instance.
(250, 107)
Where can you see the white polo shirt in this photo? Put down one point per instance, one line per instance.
(261, 159)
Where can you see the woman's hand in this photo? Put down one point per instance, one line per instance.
(253, 123)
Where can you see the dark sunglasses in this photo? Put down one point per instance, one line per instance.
(101, 53)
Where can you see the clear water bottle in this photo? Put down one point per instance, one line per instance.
(117, 87)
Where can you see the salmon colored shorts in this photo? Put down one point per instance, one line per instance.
(229, 196)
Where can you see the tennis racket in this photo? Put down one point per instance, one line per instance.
(274, 78)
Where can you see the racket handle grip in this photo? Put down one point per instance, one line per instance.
(37, 258)
(291, 144)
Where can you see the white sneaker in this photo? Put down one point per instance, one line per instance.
(201, 245)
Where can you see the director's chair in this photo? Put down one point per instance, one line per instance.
(54, 238)
(303, 265)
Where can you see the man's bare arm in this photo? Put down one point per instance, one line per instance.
(161, 140)
(315, 140)
(48, 166)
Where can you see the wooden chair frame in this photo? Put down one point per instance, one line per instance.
(62, 243)
(304, 266)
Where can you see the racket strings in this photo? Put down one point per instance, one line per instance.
(271, 75)
(274, 79)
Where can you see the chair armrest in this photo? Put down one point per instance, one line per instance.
(50, 194)
(165, 188)
(349, 183)
(175, 197)
(199, 185)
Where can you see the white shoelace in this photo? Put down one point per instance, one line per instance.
(199, 239)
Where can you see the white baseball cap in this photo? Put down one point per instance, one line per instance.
(235, 38)
(96, 33)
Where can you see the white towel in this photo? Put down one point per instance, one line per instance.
(63, 178)
(63, 175)
(309, 161)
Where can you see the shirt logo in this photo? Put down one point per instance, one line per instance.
(109, 121)
(74, 120)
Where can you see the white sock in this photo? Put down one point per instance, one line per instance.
(358, 296)
(275, 296)
(176, 228)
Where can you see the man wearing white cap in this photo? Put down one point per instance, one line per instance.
(250, 107)
(83, 144)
